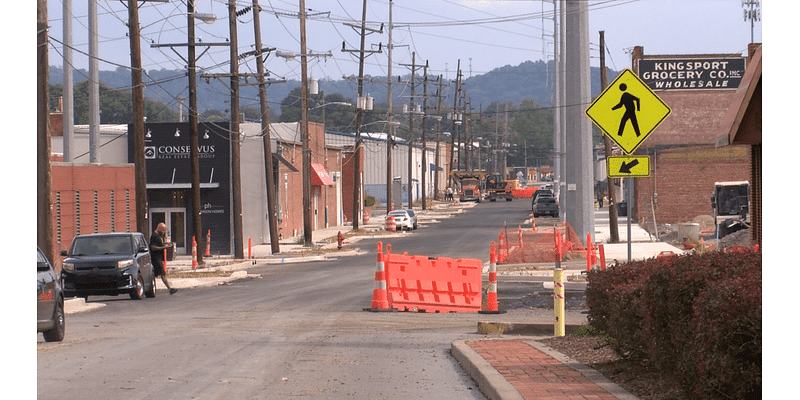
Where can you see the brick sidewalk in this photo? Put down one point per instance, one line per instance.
(535, 374)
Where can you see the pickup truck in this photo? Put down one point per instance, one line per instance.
(545, 205)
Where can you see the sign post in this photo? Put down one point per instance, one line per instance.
(628, 111)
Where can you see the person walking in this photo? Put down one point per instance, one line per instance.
(159, 243)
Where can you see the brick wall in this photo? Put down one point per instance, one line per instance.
(89, 198)
(682, 180)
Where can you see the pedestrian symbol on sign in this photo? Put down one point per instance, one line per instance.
(628, 101)
(627, 118)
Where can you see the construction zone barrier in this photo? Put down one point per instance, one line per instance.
(380, 295)
(390, 224)
(523, 193)
(423, 284)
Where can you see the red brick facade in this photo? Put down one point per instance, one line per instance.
(89, 198)
(682, 180)
(290, 185)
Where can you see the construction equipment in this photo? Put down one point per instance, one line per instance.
(471, 185)
(731, 201)
(499, 188)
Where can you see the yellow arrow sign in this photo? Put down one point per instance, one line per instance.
(628, 166)
(627, 111)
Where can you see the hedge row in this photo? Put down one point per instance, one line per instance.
(696, 317)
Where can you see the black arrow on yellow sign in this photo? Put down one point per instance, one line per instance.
(625, 168)
(628, 166)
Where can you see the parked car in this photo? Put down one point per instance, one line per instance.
(404, 219)
(545, 205)
(49, 300)
(108, 264)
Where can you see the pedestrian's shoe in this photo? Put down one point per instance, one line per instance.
(173, 291)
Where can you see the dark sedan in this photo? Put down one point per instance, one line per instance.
(108, 264)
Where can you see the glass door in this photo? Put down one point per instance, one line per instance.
(175, 220)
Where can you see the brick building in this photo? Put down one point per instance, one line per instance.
(685, 162)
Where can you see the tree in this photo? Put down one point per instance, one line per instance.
(115, 105)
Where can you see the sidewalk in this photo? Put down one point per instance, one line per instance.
(515, 366)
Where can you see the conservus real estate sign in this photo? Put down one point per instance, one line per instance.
(692, 73)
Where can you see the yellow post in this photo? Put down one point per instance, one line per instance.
(558, 298)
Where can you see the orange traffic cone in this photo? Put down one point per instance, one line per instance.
(491, 293)
(380, 295)
(194, 253)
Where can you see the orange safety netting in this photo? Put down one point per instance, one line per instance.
(538, 246)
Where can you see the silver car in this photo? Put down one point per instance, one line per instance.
(404, 219)
(49, 300)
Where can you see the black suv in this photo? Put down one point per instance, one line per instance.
(49, 300)
(108, 264)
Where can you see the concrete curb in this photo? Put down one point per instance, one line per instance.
(491, 383)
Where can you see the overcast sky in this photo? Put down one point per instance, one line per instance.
(484, 35)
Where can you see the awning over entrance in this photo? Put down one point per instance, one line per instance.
(319, 176)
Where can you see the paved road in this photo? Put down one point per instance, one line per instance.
(298, 330)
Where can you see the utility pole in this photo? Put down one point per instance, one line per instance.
(455, 125)
(94, 86)
(272, 208)
(236, 181)
(411, 112)
(610, 182)
(67, 86)
(424, 127)
(307, 212)
(438, 138)
(359, 117)
(194, 154)
(44, 214)
(137, 109)
(579, 172)
(389, 136)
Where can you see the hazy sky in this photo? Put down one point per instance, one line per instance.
(483, 34)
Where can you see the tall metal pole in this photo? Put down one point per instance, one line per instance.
(194, 154)
(610, 182)
(424, 127)
(307, 215)
(359, 117)
(438, 137)
(44, 214)
(272, 208)
(389, 136)
(67, 87)
(411, 135)
(236, 181)
(579, 171)
(94, 86)
(137, 110)
(454, 166)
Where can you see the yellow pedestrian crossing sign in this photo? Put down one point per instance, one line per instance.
(628, 166)
(627, 111)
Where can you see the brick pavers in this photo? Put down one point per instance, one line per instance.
(535, 374)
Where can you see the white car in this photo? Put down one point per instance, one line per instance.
(404, 219)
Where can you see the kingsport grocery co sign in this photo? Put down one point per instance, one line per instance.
(692, 73)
